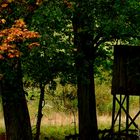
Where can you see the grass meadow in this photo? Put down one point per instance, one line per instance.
(57, 122)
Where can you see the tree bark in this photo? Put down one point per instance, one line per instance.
(16, 115)
(87, 104)
(83, 41)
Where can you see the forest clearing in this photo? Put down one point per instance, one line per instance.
(70, 69)
(57, 123)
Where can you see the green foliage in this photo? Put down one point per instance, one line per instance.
(64, 97)
(117, 19)
(103, 98)
(54, 56)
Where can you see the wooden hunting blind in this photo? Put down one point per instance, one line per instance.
(126, 72)
(125, 83)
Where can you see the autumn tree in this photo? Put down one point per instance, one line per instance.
(15, 109)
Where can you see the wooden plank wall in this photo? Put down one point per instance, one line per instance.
(126, 70)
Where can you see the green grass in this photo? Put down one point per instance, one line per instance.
(55, 132)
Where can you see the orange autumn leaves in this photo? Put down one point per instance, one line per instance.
(16, 34)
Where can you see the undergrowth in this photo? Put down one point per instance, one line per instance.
(58, 132)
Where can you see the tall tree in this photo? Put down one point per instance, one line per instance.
(52, 58)
(94, 23)
(83, 40)
(15, 109)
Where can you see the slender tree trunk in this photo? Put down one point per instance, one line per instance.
(15, 109)
(40, 115)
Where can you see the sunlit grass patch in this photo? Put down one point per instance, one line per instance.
(55, 132)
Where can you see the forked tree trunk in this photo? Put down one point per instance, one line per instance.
(16, 116)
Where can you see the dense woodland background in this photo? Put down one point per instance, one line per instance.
(57, 55)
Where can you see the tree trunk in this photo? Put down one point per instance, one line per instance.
(83, 41)
(87, 104)
(16, 116)
(39, 116)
